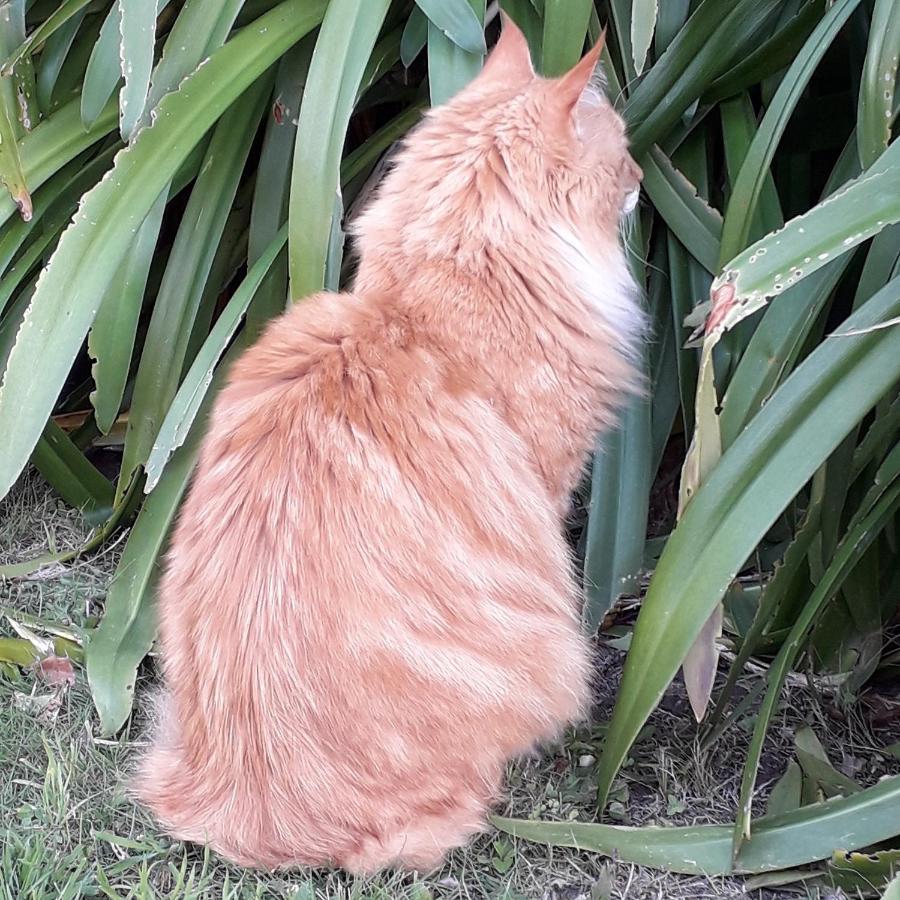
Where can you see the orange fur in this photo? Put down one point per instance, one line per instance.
(367, 607)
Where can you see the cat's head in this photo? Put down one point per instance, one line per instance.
(510, 153)
(558, 139)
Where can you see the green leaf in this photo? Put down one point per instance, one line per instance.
(670, 20)
(643, 22)
(450, 68)
(791, 839)
(696, 224)
(617, 521)
(738, 128)
(137, 24)
(791, 437)
(689, 284)
(415, 34)
(749, 182)
(806, 244)
(91, 249)
(815, 764)
(879, 77)
(273, 182)
(11, 171)
(344, 45)
(199, 30)
(785, 796)
(75, 479)
(862, 531)
(53, 56)
(188, 267)
(861, 872)
(55, 142)
(103, 68)
(893, 890)
(26, 262)
(565, 28)
(457, 20)
(52, 23)
(773, 54)
(778, 338)
(717, 33)
(183, 409)
(112, 336)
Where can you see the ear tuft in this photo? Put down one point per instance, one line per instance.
(510, 60)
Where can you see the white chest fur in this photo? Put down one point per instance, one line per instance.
(602, 278)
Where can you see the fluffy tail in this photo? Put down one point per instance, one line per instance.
(195, 803)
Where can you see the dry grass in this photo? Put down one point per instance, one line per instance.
(71, 833)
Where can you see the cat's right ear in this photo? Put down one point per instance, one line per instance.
(509, 62)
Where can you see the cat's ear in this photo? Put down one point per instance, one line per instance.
(571, 86)
(510, 60)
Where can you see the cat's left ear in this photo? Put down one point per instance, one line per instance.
(571, 86)
(510, 60)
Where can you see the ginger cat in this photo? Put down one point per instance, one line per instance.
(368, 606)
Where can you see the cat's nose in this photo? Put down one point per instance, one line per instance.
(635, 171)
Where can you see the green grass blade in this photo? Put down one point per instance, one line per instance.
(693, 221)
(184, 407)
(175, 309)
(749, 182)
(861, 533)
(733, 509)
(791, 839)
(67, 471)
(643, 23)
(565, 28)
(457, 20)
(112, 336)
(91, 249)
(879, 77)
(137, 25)
(345, 43)
(450, 68)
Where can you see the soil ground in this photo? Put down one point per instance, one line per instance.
(68, 830)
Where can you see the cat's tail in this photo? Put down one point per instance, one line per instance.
(193, 802)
